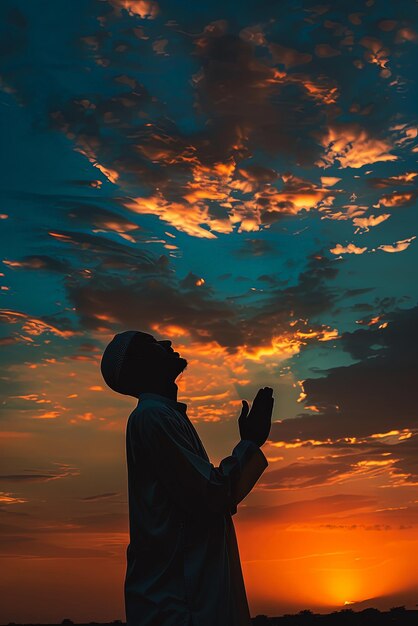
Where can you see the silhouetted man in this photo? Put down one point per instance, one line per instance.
(183, 565)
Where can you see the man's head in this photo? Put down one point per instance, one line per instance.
(135, 362)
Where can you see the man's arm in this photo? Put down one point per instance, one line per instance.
(192, 481)
(251, 472)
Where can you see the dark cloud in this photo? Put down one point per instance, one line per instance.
(311, 509)
(40, 262)
(191, 281)
(99, 496)
(26, 478)
(258, 173)
(351, 293)
(62, 471)
(272, 279)
(93, 215)
(238, 90)
(400, 180)
(109, 254)
(155, 301)
(313, 294)
(288, 57)
(256, 247)
(143, 303)
(374, 396)
(306, 474)
(346, 460)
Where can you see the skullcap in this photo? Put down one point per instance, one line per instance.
(113, 356)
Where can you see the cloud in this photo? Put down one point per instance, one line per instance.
(256, 247)
(162, 170)
(99, 496)
(351, 248)
(204, 317)
(324, 50)
(7, 498)
(398, 246)
(145, 9)
(33, 326)
(373, 395)
(346, 460)
(351, 145)
(395, 199)
(62, 471)
(365, 223)
(39, 262)
(310, 509)
(408, 178)
(301, 474)
(288, 57)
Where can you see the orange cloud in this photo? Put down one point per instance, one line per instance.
(398, 246)
(329, 181)
(8, 498)
(351, 146)
(177, 214)
(13, 434)
(398, 199)
(33, 326)
(400, 179)
(376, 53)
(351, 211)
(365, 223)
(47, 415)
(349, 249)
(145, 9)
(87, 151)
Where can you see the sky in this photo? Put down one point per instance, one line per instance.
(242, 180)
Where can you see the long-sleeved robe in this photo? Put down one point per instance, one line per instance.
(183, 564)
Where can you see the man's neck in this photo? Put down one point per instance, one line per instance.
(169, 390)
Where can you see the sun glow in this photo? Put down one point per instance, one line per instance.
(342, 585)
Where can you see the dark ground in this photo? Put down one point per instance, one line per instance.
(397, 616)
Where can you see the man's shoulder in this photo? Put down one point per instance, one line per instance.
(150, 411)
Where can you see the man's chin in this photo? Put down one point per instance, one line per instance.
(183, 361)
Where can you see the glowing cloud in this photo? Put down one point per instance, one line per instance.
(399, 246)
(350, 145)
(349, 249)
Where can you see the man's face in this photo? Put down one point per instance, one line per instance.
(162, 353)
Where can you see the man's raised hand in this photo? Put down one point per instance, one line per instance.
(255, 424)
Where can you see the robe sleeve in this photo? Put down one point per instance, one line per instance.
(192, 481)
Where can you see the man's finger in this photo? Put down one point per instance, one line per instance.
(244, 409)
